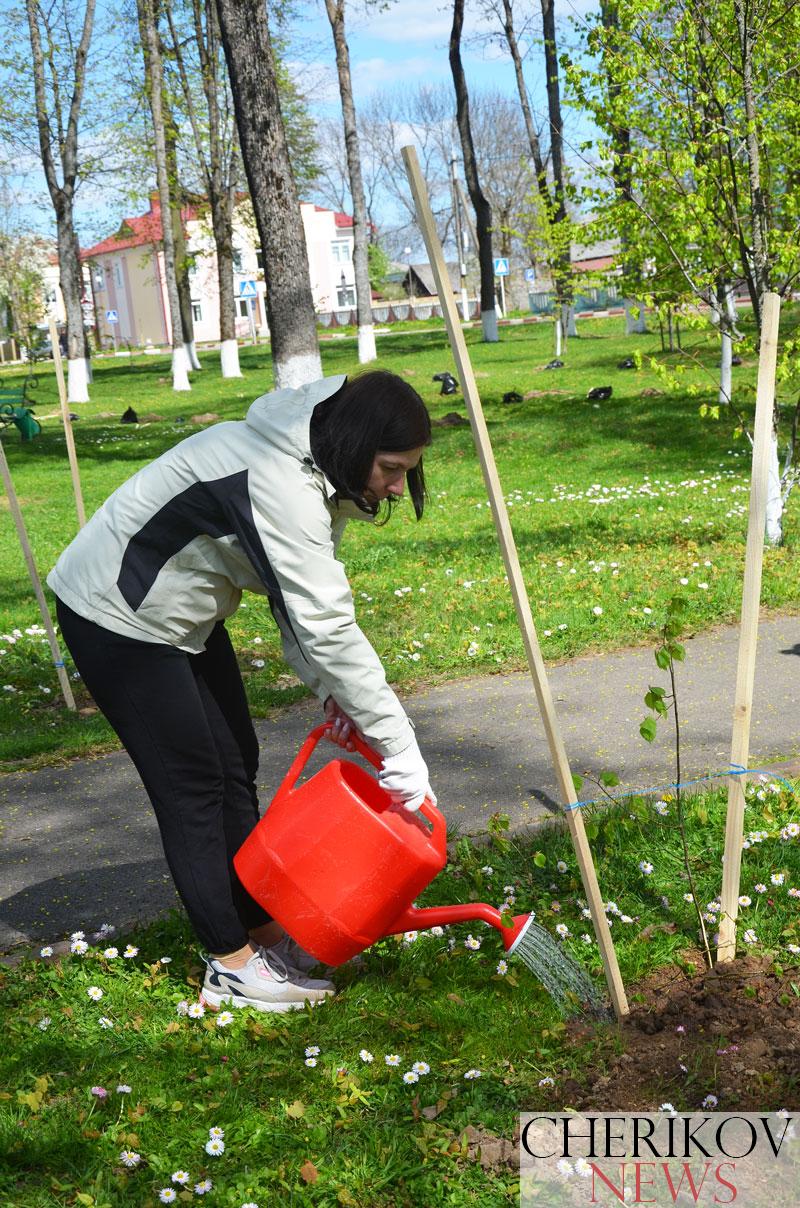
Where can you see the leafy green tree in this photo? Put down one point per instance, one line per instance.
(379, 266)
(697, 173)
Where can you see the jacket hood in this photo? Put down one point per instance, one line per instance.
(283, 416)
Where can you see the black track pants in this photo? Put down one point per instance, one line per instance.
(184, 721)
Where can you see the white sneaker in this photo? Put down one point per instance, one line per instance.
(264, 983)
(288, 952)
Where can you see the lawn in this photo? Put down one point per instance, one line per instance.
(404, 1089)
(613, 504)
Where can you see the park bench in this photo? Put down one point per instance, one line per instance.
(16, 407)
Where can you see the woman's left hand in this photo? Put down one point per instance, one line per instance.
(342, 728)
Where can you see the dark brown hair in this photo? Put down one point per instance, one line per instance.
(374, 412)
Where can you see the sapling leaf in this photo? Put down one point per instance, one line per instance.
(577, 782)
(609, 779)
(540, 859)
(662, 658)
(648, 729)
(676, 651)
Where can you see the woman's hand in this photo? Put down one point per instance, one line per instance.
(342, 728)
(405, 778)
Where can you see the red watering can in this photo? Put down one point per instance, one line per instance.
(338, 864)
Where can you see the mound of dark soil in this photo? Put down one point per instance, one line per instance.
(733, 1032)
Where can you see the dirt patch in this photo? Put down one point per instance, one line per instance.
(732, 1032)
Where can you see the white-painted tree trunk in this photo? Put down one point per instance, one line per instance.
(558, 337)
(180, 368)
(635, 323)
(191, 355)
(77, 381)
(489, 325)
(572, 329)
(297, 370)
(229, 359)
(89, 371)
(774, 525)
(366, 343)
(725, 367)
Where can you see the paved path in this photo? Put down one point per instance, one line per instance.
(80, 845)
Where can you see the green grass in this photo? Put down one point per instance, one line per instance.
(371, 1140)
(612, 504)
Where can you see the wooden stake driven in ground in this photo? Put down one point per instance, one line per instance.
(748, 633)
(68, 434)
(558, 754)
(13, 503)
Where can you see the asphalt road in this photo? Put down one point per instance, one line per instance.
(80, 845)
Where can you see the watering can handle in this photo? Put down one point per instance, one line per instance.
(304, 754)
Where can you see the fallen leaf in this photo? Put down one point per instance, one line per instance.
(296, 1109)
(309, 1172)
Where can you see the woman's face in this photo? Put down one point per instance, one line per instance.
(388, 475)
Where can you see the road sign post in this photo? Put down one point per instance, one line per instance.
(112, 318)
(249, 290)
(501, 271)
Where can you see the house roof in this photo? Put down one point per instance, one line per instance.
(339, 218)
(133, 232)
(424, 274)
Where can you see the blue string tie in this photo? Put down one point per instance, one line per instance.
(734, 769)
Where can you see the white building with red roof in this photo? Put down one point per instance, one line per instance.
(129, 288)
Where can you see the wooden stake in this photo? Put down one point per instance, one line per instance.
(55, 650)
(70, 439)
(506, 537)
(748, 632)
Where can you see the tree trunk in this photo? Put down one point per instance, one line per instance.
(154, 76)
(176, 200)
(290, 305)
(483, 211)
(70, 281)
(758, 204)
(635, 323)
(217, 167)
(221, 221)
(366, 330)
(62, 195)
(533, 137)
(562, 269)
(774, 520)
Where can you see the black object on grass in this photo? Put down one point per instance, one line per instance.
(600, 392)
(129, 417)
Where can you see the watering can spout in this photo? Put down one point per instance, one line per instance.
(418, 919)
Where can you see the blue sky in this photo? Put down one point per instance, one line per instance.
(408, 42)
(404, 41)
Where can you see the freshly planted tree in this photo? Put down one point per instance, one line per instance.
(254, 84)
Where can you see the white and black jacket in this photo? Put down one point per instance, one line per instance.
(239, 506)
